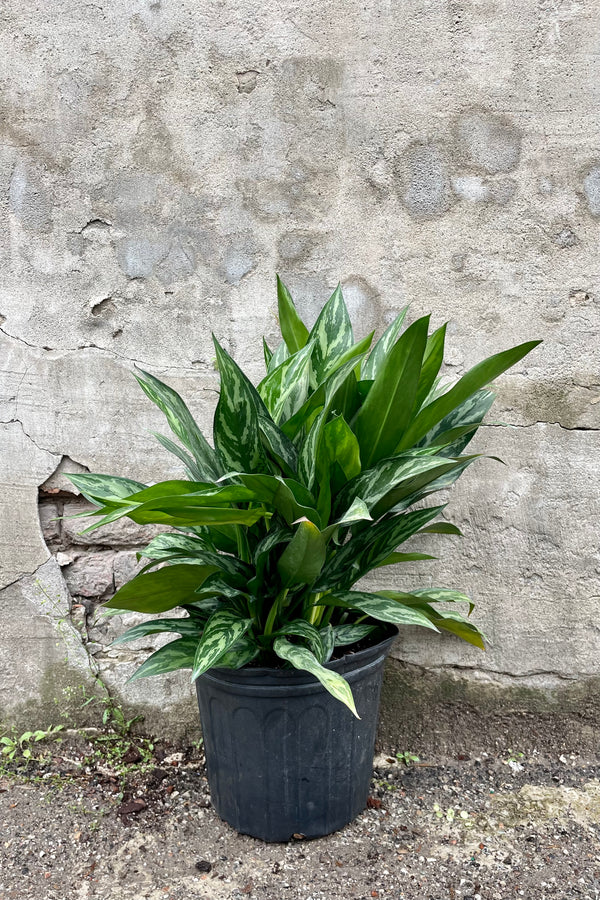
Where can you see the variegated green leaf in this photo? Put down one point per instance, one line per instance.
(378, 355)
(302, 629)
(105, 490)
(238, 656)
(293, 329)
(236, 427)
(355, 352)
(457, 428)
(278, 446)
(378, 607)
(185, 627)
(444, 620)
(167, 547)
(285, 389)
(162, 590)
(328, 638)
(366, 550)
(344, 635)
(476, 378)
(280, 354)
(222, 631)
(391, 474)
(164, 545)
(178, 654)
(443, 595)
(331, 334)
(358, 512)
(192, 469)
(181, 423)
(303, 659)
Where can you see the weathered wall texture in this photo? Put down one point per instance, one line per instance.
(159, 161)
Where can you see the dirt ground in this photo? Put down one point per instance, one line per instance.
(139, 824)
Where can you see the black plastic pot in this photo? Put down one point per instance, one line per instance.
(283, 756)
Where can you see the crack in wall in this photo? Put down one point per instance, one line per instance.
(490, 674)
(533, 424)
(15, 421)
(63, 351)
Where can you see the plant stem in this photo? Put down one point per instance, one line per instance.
(314, 616)
(274, 610)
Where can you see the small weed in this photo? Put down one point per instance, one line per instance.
(21, 750)
(451, 814)
(407, 758)
(513, 757)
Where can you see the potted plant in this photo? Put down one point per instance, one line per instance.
(316, 477)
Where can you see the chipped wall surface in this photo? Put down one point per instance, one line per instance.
(160, 161)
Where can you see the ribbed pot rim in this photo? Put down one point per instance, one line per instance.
(348, 663)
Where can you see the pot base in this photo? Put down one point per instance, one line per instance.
(285, 758)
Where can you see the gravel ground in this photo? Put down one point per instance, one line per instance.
(490, 827)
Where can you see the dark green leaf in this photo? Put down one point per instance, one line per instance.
(303, 558)
(162, 590)
(290, 498)
(395, 558)
(293, 329)
(386, 412)
(267, 354)
(441, 528)
(432, 360)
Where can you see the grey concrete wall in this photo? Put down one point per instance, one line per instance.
(159, 161)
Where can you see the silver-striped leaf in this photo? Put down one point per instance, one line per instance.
(378, 354)
(178, 654)
(185, 627)
(235, 428)
(384, 609)
(303, 659)
(181, 422)
(345, 635)
(331, 334)
(222, 631)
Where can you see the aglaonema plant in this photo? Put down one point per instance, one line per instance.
(316, 477)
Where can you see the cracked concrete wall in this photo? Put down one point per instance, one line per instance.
(159, 162)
